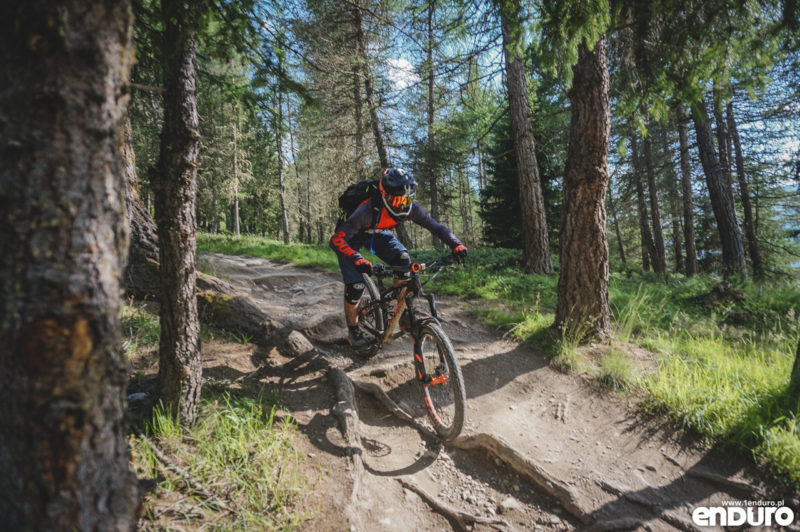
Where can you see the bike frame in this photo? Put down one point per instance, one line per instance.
(407, 290)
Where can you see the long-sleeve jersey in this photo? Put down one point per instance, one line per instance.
(362, 219)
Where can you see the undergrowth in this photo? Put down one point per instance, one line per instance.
(722, 369)
(238, 450)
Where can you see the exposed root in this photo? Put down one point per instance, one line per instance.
(377, 392)
(626, 523)
(627, 494)
(169, 465)
(518, 462)
(345, 410)
(726, 483)
(460, 518)
(669, 517)
(528, 468)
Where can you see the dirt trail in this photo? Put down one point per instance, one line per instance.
(543, 432)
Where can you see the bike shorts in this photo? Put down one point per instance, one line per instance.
(385, 245)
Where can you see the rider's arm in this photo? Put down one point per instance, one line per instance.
(419, 216)
(360, 219)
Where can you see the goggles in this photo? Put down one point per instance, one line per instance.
(399, 201)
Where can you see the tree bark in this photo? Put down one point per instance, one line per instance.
(660, 256)
(648, 247)
(236, 222)
(721, 198)
(583, 310)
(794, 378)
(287, 237)
(535, 241)
(686, 189)
(179, 368)
(63, 450)
(358, 111)
(753, 246)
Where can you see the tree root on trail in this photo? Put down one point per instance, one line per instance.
(377, 392)
(523, 465)
(752, 492)
(625, 523)
(169, 465)
(347, 413)
(460, 518)
(526, 467)
(658, 511)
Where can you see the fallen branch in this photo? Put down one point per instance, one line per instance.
(462, 519)
(185, 476)
(527, 467)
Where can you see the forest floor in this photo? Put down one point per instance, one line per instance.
(541, 449)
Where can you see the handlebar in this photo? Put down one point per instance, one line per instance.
(384, 270)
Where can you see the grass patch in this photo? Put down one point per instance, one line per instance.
(253, 246)
(616, 371)
(238, 450)
(140, 328)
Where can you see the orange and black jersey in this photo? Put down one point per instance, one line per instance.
(362, 220)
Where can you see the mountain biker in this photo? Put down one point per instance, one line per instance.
(397, 189)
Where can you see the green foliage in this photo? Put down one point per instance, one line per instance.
(239, 448)
(616, 371)
(139, 328)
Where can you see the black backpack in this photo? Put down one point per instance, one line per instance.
(356, 194)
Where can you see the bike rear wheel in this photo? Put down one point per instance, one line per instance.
(372, 315)
(440, 381)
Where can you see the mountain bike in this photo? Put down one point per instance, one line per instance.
(388, 312)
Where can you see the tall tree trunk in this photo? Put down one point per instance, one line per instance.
(236, 222)
(293, 151)
(721, 198)
(686, 190)
(214, 205)
(723, 146)
(660, 256)
(180, 367)
(648, 247)
(616, 225)
(377, 132)
(287, 236)
(430, 162)
(308, 197)
(359, 112)
(794, 378)
(63, 450)
(583, 311)
(363, 60)
(535, 242)
(749, 223)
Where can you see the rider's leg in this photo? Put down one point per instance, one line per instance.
(352, 295)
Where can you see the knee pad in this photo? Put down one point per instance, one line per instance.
(401, 259)
(352, 292)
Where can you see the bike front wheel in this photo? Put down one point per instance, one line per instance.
(440, 381)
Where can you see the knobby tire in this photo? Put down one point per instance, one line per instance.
(444, 403)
